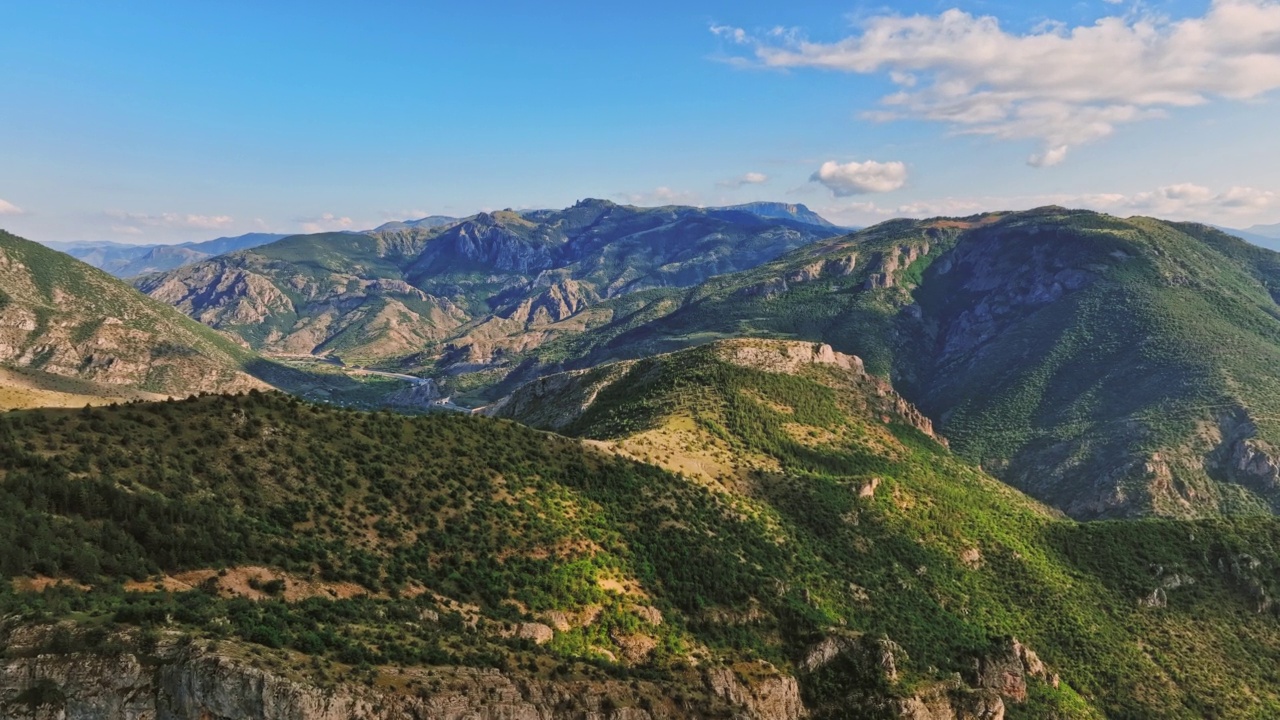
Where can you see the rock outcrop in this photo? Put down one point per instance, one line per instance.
(997, 678)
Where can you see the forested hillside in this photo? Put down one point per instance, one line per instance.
(819, 533)
(74, 329)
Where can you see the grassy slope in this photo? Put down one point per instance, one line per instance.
(23, 390)
(1169, 347)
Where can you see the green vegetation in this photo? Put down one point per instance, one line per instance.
(759, 497)
(946, 561)
(471, 519)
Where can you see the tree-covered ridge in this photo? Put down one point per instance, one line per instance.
(1111, 367)
(62, 318)
(487, 524)
(469, 291)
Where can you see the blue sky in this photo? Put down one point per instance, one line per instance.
(163, 122)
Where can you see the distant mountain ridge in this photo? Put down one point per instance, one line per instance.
(126, 261)
(427, 222)
(777, 210)
(485, 286)
(1267, 236)
(1271, 231)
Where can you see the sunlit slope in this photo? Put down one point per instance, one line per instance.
(913, 544)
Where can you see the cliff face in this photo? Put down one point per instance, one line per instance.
(184, 683)
(180, 682)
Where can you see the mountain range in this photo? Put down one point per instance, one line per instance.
(724, 462)
(1049, 345)
(128, 261)
(484, 287)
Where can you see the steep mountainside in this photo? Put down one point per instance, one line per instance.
(126, 261)
(465, 292)
(60, 318)
(818, 554)
(1110, 367)
(845, 463)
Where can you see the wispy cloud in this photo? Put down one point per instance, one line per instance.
(128, 223)
(8, 208)
(860, 178)
(1059, 85)
(660, 196)
(325, 222)
(1234, 206)
(751, 178)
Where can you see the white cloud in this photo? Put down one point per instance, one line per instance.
(8, 208)
(860, 178)
(1187, 201)
(660, 196)
(326, 222)
(735, 34)
(413, 214)
(1048, 158)
(751, 178)
(171, 220)
(1233, 207)
(1062, 86)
